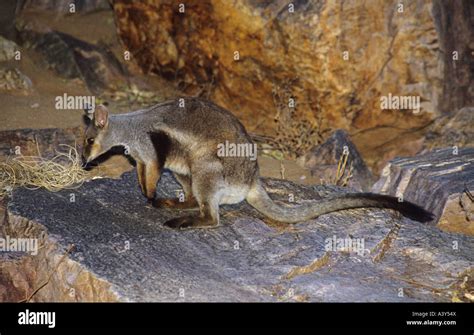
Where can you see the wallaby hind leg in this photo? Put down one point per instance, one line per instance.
(205, 188)
(182, 202)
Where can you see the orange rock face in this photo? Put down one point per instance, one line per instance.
(339, 56)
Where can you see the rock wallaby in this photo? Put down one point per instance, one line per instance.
(187, 136)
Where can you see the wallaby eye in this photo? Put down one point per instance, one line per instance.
(90, 140)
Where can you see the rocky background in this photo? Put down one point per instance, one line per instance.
(334, 60)
(301, 48)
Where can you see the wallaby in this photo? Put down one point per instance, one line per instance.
(185, 136)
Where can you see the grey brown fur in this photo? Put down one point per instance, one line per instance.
(184, 139)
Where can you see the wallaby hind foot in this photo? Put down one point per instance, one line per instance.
(208, 217)
(205, 185)
(184, 201)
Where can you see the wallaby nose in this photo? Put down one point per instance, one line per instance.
(84, 162)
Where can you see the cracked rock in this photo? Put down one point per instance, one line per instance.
(442, 181)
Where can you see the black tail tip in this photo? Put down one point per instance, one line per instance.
(416, 212)
(406, 208)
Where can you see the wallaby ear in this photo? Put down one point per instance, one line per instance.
(89, 111)
(101, 116)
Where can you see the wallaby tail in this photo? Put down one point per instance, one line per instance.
(260, 200)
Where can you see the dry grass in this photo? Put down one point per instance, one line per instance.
(133, 97)
(300, 127)
(343, 174)
(62, 171)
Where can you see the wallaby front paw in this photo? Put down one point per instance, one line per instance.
(150, 196)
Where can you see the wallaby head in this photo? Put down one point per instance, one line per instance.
(97, 138)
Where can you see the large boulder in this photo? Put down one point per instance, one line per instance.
(325, 159)
(454, 23)
(122, 251)
(73, 58)
(442, 181)
(452, 130)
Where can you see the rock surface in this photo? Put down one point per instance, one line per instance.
(8, 9)
(123, 252)
(72, 58)
(402, 51)
(441, 181)
(452, 130)
(11, 78)
(7, 49)
(64, 6)
(454, 23)
(34, 142)
(323, 161)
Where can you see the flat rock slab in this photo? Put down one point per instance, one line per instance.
(121, 241)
